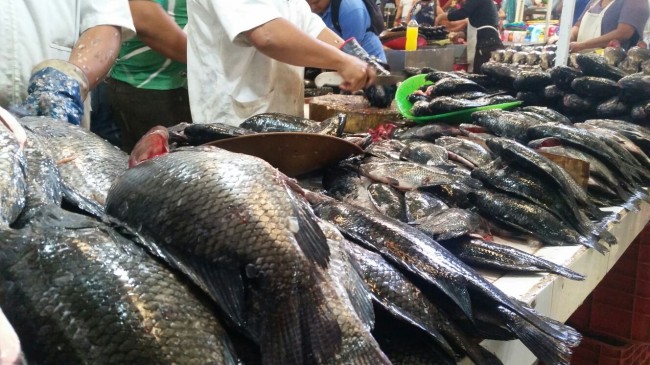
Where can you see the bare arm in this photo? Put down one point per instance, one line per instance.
(95, 52)
(622, 33)
(398, 12)
(574, 32)
(283, 41)
(158, 30)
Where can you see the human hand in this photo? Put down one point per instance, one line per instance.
(576, 46)
(56, 89)
(356, 74)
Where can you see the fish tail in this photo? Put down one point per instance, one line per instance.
(302, 330)
(593, 242)
(488, 358)
(548, 349)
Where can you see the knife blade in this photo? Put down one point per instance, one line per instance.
(333, 78)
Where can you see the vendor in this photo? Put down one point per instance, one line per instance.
(482, 34)
(403, 10)
(350, 19)
(608, 20)
(245, 58)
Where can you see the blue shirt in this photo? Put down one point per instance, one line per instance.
(355, 22)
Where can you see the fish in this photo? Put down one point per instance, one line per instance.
(87, 163)
(455, 85)
(453, 194)
(424, 153)
(505, 124)
(195, 134)
(533, 58)
(483, 80)
(406, 176)
(595, 87)
(483, 253)
(399, 296)
(532, 81)
(592, 64)
(551, 115)
(553, 94)
(278, 122)
(634, 88)
(614, 55)
(526, 185)
(43, 181)
(427, 132)
(80, 292)
(451, 223)
(636, 133)
(530, 218)
(350, 299)
(472, 151)
(345, 183)
(415, 252)
(235, 226)
(611, 154)
(528, 159)
(547, 59)
(13, 176)
(563, 76)
(577, 104)
(420, 204)
(388, 200)
(436, 76)
(448, 104)
(389, 149)
(504, 74)
(638, 54)
(611, 108)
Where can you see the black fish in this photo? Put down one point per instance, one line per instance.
(198, 134)
(388, 200)
(634, 88)
(420, 204)
(468, 149)
(455, 85)
(636, 133)
(611, 108)
(424, 153)
(532, 80)
(483, 253)
(592, 64)
(417, 253)
(427, 132)
(550, 114)
(505, 124)
(451, 223)
(598, 88)
(563, 76)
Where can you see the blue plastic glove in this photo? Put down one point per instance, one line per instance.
(56, 89)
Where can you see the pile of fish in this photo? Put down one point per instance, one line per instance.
(636, 59)
(452, 92)
(594, 88)
(526, 57)
(190, 254)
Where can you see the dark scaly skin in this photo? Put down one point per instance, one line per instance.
(43, 179)
(635, 150)
(87, 163)
(83, 297)
(12, 176)
(450, 223)
(636, 133)
(424, 153)
(232, 212)
(388, 200)
(393, 289)
(504, 124)
(408, 175)
(207, 132)
(420, 204)
(470, 150)
(389, 149)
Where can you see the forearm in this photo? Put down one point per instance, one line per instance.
(158, 30)
(96, 51)
(620, 33)
(283, 41)
(574, 32)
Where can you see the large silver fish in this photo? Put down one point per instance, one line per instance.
(231, 222)
(78, 292)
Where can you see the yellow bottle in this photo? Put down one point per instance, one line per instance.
(411, 36)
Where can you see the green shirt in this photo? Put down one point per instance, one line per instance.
(140, 66)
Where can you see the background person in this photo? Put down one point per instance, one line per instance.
(148, 84)
(240, 66)
(608, 20)
(424, 12)
(354, 22)
(58, 51)
(482, 34)
(403, 10)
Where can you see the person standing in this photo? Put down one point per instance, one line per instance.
(248, 57)
(482, 34)
(353, 22)
(148, 84)
(403, 10)
(608, 20)
(54, 52)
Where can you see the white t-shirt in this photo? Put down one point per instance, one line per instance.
(406, 6)
(36, 30)
(228, 79)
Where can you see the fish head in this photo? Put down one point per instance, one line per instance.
(154, 143)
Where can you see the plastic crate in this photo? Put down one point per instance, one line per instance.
(600, 350)
(620, 304)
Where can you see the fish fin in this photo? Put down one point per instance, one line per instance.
(592, 242)
(458, 294)
(425, 324)
(154, 143)
(76, 199)
(309, 236)
(360, 296)
(488, 358)
(545, 347)
(607, 236)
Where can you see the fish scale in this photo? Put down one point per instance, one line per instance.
(247, 241)
(87, 295)
(12, 174)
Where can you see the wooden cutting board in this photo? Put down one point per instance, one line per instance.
(361, 116)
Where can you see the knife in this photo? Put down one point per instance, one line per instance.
(334, 79)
